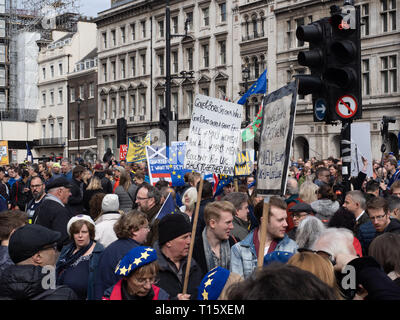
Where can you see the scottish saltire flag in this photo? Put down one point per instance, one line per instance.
(260, 86)
(168, 207)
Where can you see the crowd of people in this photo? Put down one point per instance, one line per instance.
(95, 231)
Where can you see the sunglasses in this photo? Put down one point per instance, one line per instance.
(321, 253)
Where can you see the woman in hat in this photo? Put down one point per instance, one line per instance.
(77, 264)
(139, 271)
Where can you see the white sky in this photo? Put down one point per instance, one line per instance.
(90, 8)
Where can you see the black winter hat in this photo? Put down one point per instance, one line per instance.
(59, 182)
(172, 226)
(30, 239)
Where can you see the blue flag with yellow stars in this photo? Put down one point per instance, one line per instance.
(223, 181)
(260, 86)
(168, 207)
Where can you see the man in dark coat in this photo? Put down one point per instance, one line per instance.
(53, 213)
(75, 201)
(174, 234)
(32, 248)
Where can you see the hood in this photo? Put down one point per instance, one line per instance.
(393, 226)
(325, 207)
(21, 282)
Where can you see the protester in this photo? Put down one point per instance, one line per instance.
(93, 188)
(32, 248)
(20, 193)
(9, 222)
(37, 187)
(356, 203)
(172, 246)
(77, 265)
(75, 201)
(326, 205)
(308, 192)
(95, 205)
(126, 192)
(299, 212)
(105, 221)
(212, 248)
(241, 220)
(322, 176)
(189, 201)
(139, 269)
(131, 230)
(394, 206)
(66, 169)
(308, 231)
(244, 254)
(291, 198)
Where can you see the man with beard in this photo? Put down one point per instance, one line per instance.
(38, 193)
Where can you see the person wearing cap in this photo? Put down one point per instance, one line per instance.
(139, 272)
(78, 261)
(299, 212)
(53, 213)
(31, 248)
(56, 171)
(172, 246)
(109, 215)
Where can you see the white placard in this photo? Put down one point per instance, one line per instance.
(360, 147)
(214, 136)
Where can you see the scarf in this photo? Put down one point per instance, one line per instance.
(256, 242)
(225, 253)
(70, 258)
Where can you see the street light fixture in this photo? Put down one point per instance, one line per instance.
(79, 101)
(246, 76)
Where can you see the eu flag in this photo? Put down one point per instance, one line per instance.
(167, 208)
(223, 181)
(260, 86)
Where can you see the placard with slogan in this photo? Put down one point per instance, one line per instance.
(123, 148)
(276, 140)
(244, 163)
(214, 136)
(4, 158)
(137, 151)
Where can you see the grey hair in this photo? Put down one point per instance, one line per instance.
(359, 197)
(292, 186)
(393, 203)
(335, 241)
(308, 231)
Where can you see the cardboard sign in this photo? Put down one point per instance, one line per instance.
(214, 136)
(245, 163)
(4, 159)
(123, 149)
(276, 140)
(360, 147)
(137, 151)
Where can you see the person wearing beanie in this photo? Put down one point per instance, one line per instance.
(31, 248)
(77, 264)
(172, 246)
(110, 213)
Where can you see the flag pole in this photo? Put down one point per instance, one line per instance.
(196, 216)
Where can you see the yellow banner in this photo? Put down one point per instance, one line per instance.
(137, 151)
(4, 159)
(244, 163)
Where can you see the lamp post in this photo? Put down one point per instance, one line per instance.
(79, 101)
(246, 76)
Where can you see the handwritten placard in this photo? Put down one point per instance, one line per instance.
(214, 136)
(279, 110)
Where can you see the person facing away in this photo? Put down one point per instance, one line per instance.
(244, 254)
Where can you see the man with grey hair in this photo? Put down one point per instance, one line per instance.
(240, 221)
(394, 206)
(356, 203)
(66, 168)
(291, 199)
(309, 231)
(53, 213)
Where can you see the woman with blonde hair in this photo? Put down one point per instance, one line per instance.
(316, 263)
(93, 188)
(126, 191)
(308, 192)
(189, 201)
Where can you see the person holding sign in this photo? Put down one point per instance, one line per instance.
(244, 254)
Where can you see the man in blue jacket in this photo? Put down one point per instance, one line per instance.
(244, 254)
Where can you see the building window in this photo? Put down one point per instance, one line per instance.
(205, 91)
(143, 57)
(206, 58)
(52, 71)
(44, 73)
(133, 104)
(389, 74)
(113, 39)
(160, 101)
(175, 25)
(189, 16)
(51, 97)
(82, 92)
(91, 90)
(300, 22)
(133, 31)
(123, 106)
(175, 62)
(289, 33)
(60, 129)
(133, 66)
(105, 72)
(72, 123)
(43, 99)
(123, 36)
(72, 95)
(91, 127)
(365, 19)
(113, 71)
(105, 114)
(113, 108)
(206, 16)
(189, 56)
(143, 104)
(222, 52)
(222, 92)
(60, 69)
(161, 63)
(365, 77)
(81, 128)
(189, 100)
(161, 29)
(43, 131)
(143, 24)
(255, 27)
(60, 96)
(104, 35)
(388, 15)
(222, 12)
(122, 64)
(174, 107)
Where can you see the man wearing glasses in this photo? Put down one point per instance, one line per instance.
(38, 192)
(378, 211)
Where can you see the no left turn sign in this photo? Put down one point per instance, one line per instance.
(346, 106)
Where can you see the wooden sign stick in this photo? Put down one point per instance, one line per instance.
(235, 181)
(196, 217)
(263, 234)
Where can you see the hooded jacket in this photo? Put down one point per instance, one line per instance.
(24, 282)
(325, 209)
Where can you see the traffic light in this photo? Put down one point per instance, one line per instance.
(121, 131)
(318, 35)
(164, 123)
(343, 68)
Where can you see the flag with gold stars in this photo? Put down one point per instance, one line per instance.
(134, 259)
(168, 207)
(260, 86)
(213, 283)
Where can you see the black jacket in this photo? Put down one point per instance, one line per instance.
(54, 216)
(24, 282)
(75, 201)
(169, 280)
(87, 196)
(18, 197)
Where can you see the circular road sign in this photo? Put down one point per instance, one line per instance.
(320, 109)
(346, 106)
